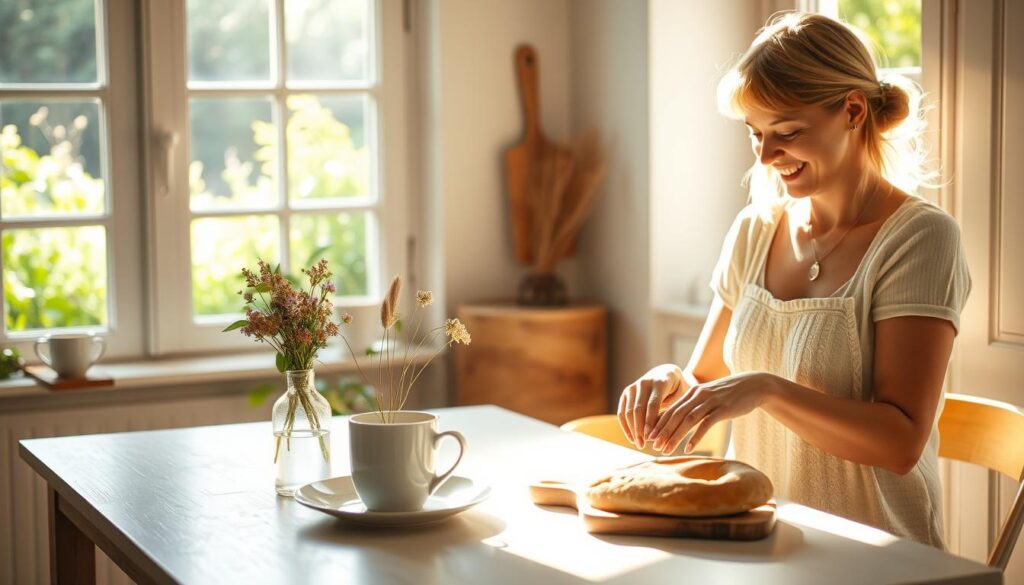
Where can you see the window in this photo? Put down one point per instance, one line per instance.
(66, 201)
(897, 29)
(894, 27)
(270, 128)
(269, 121)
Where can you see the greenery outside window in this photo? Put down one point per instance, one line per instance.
(66, 202)
(278, 132)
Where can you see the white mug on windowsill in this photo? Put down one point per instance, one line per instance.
(70, 354)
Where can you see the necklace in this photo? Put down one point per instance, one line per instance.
(816, 267)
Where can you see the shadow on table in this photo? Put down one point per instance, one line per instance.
(429, 554)
(469, 527)
(784, 541)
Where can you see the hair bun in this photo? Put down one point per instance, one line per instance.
(893, 106)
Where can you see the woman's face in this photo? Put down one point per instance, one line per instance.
(817, 142)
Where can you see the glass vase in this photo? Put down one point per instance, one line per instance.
(302, 434)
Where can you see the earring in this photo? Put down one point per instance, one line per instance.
(854, 127)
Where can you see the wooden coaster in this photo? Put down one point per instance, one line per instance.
(94, 378)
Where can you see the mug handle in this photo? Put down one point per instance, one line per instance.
(439, 479)
(42, 358)
(103, 348)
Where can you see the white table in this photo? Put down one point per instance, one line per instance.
(198, 505)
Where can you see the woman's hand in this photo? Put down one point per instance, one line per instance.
(706, 404)
(641, 401)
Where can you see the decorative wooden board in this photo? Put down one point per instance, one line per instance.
(753, 525)
(47, 377)
(524, 160)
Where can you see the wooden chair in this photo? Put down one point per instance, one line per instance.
(606, 427)
(988, 433)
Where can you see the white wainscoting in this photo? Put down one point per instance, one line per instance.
(24, 545)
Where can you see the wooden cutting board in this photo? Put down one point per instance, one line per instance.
(753, 525)
(94, 378)
(523, 160)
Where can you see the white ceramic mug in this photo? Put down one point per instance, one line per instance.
(393, 462)
(71, 354)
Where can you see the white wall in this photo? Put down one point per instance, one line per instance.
(642, 73)
(478, 116)
(609, 71)
(470, 115)
(697, 157)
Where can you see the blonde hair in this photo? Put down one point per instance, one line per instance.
(801, 59)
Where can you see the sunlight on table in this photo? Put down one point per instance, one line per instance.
(804, 516)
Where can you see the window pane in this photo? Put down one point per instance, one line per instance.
(48, 41)
(327, 153)
(234, 153)
(894, 26)
(228, 40)
(341, 238)
(221, 247)
(327, 40)
(55, 277)
(51, 158)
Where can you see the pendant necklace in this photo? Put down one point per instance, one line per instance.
(816, 267)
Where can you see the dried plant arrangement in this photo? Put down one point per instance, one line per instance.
(392, 394)
(562, 194)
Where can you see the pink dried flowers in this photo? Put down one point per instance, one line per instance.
(294, 321)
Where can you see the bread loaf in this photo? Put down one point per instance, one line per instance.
(682, 486)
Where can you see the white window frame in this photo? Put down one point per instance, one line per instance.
(831, 8)
(118, 119)
(172, 327)
(929, 76)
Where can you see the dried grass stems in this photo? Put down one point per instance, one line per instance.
(562, 194)
(391, 397)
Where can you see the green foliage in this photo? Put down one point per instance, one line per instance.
(228, 40)
(56, 277)
(893, 25)
(236, 325)
(348, 396)
(10, 362)
(48, 40)
(324, 163)
(52, 277)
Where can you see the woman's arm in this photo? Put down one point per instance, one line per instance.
(641, 403)
(911, 355)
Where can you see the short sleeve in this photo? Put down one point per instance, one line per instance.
(925, 273)
(728, 276)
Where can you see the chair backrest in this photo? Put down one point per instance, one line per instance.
(606, 427)
(988, 433)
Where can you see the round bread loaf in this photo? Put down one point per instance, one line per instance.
(682, 486)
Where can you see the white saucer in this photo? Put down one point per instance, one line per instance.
(337, 496)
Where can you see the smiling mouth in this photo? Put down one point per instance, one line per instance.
(793, 174)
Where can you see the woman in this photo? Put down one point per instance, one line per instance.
(838, 295)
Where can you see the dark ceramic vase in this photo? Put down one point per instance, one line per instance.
(542, 290)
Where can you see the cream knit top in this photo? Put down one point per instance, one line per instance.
(914, 266)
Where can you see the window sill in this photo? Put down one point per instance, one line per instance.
(682, 311)
(176, 374)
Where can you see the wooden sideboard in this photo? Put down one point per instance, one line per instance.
(546, 362)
